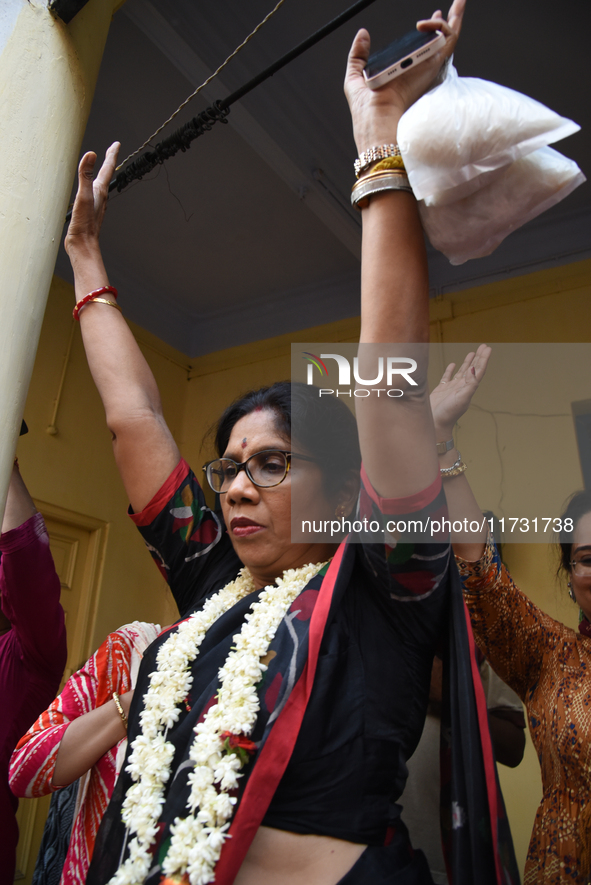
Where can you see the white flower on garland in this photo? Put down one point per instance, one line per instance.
(197, 839)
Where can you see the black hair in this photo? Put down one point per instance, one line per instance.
(577, 506)
(326, 429)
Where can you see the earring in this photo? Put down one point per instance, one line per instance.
(340, 511)
(571, 592)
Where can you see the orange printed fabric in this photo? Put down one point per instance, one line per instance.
(113, 667)
(548, 665)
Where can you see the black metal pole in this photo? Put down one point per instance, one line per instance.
(182, 138)
(297, 50)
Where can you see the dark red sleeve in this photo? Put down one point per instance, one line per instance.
(30, 594)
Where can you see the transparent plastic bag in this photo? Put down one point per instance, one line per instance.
(475, 225)
(459, 136)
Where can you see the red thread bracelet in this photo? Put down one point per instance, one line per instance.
(104, 290)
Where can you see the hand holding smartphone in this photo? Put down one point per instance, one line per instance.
(395, 59)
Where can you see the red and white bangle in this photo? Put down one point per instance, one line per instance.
(104, 290)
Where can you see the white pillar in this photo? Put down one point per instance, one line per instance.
(48, 73)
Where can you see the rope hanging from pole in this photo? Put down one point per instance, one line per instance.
(203, 85)
(183, 137)
(203, 122)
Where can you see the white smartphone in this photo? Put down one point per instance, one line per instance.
(413, 48)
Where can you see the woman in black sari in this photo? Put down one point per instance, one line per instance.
(280, 711)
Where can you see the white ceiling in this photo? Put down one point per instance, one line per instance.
(249, 234)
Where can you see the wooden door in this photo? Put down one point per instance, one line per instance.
(78, 545)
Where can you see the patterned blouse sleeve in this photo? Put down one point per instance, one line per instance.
(414, 560)
(33, 761)
(183, 536)
(512, 632)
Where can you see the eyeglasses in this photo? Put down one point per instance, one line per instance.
(581, 567)
(264, 469)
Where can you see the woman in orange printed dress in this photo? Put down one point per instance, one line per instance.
(82, 734)
(546, 663)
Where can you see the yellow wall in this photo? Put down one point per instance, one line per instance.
(549, 305)
(74, 469)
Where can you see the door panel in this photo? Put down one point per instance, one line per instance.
(77, 544)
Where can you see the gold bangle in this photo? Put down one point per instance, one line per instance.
(378, 174)
(120, 710)
(106, 301)
(386, 164)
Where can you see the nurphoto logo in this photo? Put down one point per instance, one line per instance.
(394, 366)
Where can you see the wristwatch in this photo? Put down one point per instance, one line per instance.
(443, 447)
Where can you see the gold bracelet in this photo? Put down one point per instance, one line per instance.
(120, 710)
(106, 301)
(456, 468)
(386, 164)
(375, 182)
(453, 471)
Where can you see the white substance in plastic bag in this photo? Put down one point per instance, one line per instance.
(475, 225)
(459, 136)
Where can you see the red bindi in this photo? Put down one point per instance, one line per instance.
(244, 443)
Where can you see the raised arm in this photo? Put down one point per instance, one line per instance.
(19, 504)
(144, 448)
(449, 401)
(29, 585)
(394, 281)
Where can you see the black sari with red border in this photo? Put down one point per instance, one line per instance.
(414, 578)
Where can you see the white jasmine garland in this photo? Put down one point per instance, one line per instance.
(197, 840)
